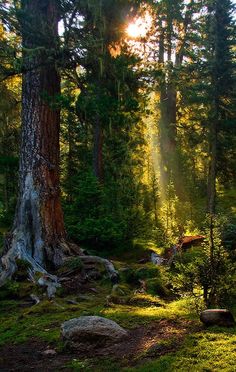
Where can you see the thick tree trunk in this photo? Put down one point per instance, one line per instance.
(38, 233)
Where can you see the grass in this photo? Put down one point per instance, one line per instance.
(132, 316)
(209, 350)
(19, 324)
(102, 365)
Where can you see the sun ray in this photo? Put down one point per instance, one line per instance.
(139, 27)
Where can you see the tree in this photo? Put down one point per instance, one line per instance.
(38, 233)
(173, 29)
(220, 67)
(107, 192)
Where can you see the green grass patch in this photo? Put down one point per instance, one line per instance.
(19, 323)
(209, 350)
(131, 316)
(98, 365)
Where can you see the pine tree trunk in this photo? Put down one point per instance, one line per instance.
(38, 232)
(97, 155)
(167, 125)
(211, 194)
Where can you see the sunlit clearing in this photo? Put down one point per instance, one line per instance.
(140, 27)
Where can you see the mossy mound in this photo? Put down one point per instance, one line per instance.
(14, 290)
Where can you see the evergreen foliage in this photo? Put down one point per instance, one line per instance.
(147, 121)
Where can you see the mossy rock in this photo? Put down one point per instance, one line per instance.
(147, 272)
(155, 286)
(133, 276)
(118, 300)
(127, 275)
(120, 294)
(120, 290)
(25, 289)
(145, 300)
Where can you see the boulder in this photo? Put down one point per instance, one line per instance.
(92, 329)
(218, 317)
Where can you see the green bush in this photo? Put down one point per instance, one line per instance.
(207, 273)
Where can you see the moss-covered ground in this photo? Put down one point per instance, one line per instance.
(173, 337)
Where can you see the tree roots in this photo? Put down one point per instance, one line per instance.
(17, 251)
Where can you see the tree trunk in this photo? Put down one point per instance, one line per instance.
(97, 156)
(211, 194)
(171, 165)
(167, 124)
(38, 232)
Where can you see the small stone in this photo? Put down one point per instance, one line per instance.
(49, 352)
(218, 317)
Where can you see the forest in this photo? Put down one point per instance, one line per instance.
(117, 185)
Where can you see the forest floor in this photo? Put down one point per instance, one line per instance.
(163, 335)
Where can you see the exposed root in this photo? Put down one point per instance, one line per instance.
(50, 285)
(111, 271)
(35, 299)
(9, 267)
(17, 250)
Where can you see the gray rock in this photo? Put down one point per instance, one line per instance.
(91, 329)
(156, 259)
(219, 317)
(49, 352)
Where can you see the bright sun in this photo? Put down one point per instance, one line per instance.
(140, 27)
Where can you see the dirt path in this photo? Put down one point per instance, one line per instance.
(146, 342)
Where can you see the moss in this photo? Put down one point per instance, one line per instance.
(133, 275)
(9, 290)
(74, 263)
(98, 365)
(155, 286)
(19, 323)
(131, 316)
(136, 250)
(145, 300)
(17, 290)
(209, 350)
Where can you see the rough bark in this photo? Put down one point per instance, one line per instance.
(38, 233)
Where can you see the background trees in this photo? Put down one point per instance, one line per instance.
(147, 121)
